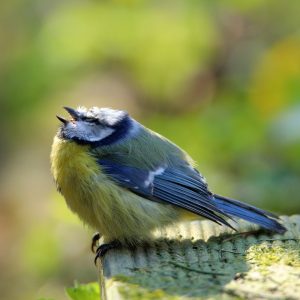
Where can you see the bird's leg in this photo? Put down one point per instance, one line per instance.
(102, 249)
(95, 241)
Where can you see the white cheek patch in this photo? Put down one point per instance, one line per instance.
(88, 132)
(101, 134)
(152, 174)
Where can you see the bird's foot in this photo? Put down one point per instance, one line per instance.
(95, 242)
(102, 249)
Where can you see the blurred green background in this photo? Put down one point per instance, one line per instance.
(220, 78)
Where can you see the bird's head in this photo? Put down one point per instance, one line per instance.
(96, 126)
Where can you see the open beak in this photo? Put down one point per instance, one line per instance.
(73, 112)
(64, 121)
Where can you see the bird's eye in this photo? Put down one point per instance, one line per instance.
(89, 120)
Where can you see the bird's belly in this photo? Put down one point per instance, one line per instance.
(116, 212)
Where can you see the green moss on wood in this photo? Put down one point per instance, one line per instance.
(228, 267)
(266, 255)
(221, 274)
(135, 292)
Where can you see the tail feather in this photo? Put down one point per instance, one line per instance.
(249, 213)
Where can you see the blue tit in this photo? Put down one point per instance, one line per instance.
(125, 180)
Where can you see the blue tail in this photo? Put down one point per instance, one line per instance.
(249, 213)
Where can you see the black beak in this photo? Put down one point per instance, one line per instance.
(62, 120)
(73, 112)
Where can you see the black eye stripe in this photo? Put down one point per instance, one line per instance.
(90, 120)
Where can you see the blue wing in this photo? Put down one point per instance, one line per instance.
(128, 177)
(183, 187)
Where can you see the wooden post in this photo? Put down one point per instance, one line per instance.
(203, 260)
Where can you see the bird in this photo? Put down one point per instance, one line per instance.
(125, 180)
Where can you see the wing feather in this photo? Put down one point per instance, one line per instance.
(184, 188)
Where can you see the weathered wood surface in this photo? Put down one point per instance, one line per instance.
(201, 260)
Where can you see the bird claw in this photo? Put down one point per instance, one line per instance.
(102, 249)
(95, 241)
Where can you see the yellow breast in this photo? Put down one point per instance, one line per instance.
(71, 163)
(74, 171)
(115, 212)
